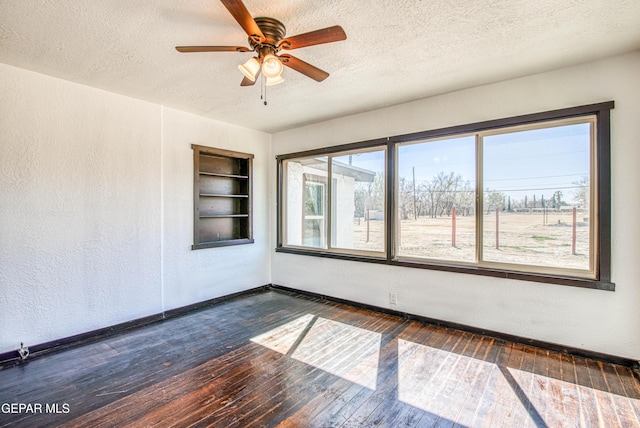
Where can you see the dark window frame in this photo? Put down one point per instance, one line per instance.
(602, 112)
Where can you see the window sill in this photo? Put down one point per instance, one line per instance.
(473, 270)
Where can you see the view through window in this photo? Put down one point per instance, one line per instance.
(537, 198)
(521, 195)
(340, 196)
(437, 199)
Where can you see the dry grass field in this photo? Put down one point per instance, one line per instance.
(524, 238)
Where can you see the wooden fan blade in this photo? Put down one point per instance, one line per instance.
(318, 37)
(239, 11)
(211, 49)
(304, 67)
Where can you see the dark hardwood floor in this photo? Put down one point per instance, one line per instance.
(274, 359)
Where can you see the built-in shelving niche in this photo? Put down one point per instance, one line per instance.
(222, 197)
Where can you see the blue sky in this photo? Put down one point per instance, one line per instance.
(523, 163)
(538, 161)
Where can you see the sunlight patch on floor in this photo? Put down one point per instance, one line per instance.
(341, 349)
(451, 386)
(350, 352)
(571, 402)
(281, 339)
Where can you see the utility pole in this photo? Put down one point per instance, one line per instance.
(415, 213)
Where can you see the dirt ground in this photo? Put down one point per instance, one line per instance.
(523, 238)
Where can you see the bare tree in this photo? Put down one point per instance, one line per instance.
(557, 199)
(493, 200)
(436, 197)
(405, 197)
(467, 199)
(581, 193)
(369, 195)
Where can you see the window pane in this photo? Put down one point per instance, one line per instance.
(305, 202)
(436, 200)
(358, 201)
(536, 197)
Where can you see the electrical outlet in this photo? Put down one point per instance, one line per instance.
(393, 298)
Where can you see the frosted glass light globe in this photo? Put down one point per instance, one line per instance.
(271, 66)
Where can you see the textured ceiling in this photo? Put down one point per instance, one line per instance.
(396, 51)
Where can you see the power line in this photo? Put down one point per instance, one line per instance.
(534, 178)
(506, 190)
(540, 188)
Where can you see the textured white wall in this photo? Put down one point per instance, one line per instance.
(194, 276)
(79, 210)
(589, 319)
(84, 176)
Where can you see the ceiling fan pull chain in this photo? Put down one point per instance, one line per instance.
(263, 89)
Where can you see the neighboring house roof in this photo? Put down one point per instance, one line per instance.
(359, 174)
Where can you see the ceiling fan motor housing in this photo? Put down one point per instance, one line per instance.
(273, 31)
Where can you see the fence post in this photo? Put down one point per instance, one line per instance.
(453, 226)
(497, 228)
(399, 226)
(573, 235)
(368, 219)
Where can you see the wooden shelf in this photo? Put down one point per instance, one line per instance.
(222, 197)
(218, 174)
(219, 195)
(225, 216)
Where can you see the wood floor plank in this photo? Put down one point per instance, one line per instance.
(454, 398)
(572, 408)
(417, 374)
(496, 395)
(555, 410)
(267, 381)
(447, 401)
(516, 410)
(229, 347)
(540, 388)
(624, 411)
(327, 383)
(243, 359)
(411, 335)
(348, 413)
(483, 370)
(322, 412)
(590, 413)
(604, 401)
(631, 390)
(334, 393)
(421, 377)
(522, 380)
(279, 359)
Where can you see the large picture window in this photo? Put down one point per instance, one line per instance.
(525, 197)
(534, 204)
(436, 203)
(336, 202)
(537, 209)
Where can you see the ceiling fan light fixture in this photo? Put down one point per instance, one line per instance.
(250, 68)
(270, 81)
(272, 67)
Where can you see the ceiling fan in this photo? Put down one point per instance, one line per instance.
(267, 38)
